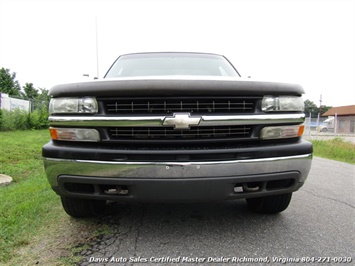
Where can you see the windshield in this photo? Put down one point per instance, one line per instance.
(158, 64)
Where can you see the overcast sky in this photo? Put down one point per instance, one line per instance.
(311, 43)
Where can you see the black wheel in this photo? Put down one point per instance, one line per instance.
(81, 208)
(270, 204)
(324, 129)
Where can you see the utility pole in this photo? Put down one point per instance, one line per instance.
(319, 112)
(97, 49)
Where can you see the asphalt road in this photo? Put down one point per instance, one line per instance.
(318, 227)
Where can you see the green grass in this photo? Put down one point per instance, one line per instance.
(27, 203)
(33, 225)
(335, 149)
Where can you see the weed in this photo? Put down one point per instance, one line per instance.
(335, 149)
(22, 120)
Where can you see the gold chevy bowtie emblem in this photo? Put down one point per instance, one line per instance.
(181, 121)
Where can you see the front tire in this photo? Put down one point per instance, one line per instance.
(270, 204)
(82, 208)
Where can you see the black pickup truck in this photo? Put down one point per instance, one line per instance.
(176, 127)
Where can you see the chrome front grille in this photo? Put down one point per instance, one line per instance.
(211, 132)
(132, 107)
(181, 104)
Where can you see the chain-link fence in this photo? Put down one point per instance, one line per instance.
(330, 127)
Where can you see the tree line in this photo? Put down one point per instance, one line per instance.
(11, 86)
(17, 119)
(311, 109)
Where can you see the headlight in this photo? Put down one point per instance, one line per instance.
(87, 105)
(282, 132)
(282, 103)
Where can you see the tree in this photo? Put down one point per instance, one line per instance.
(310, 108)
(43, 95)
(30, 92)
(9, 84)
(325, 108)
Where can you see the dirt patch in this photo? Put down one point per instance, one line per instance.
(59, 243)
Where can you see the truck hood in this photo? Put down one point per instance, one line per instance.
(175, 86)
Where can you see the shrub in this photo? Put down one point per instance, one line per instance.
(12, 120)
(38, 118)
(34, 119)
(22, 120)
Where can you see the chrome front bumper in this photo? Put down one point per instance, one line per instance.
(176, 170)
(177, 181)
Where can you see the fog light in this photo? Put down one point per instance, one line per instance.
(75, 134)
(281, 132)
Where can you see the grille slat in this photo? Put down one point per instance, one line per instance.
(171, 133)
(170, 105)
